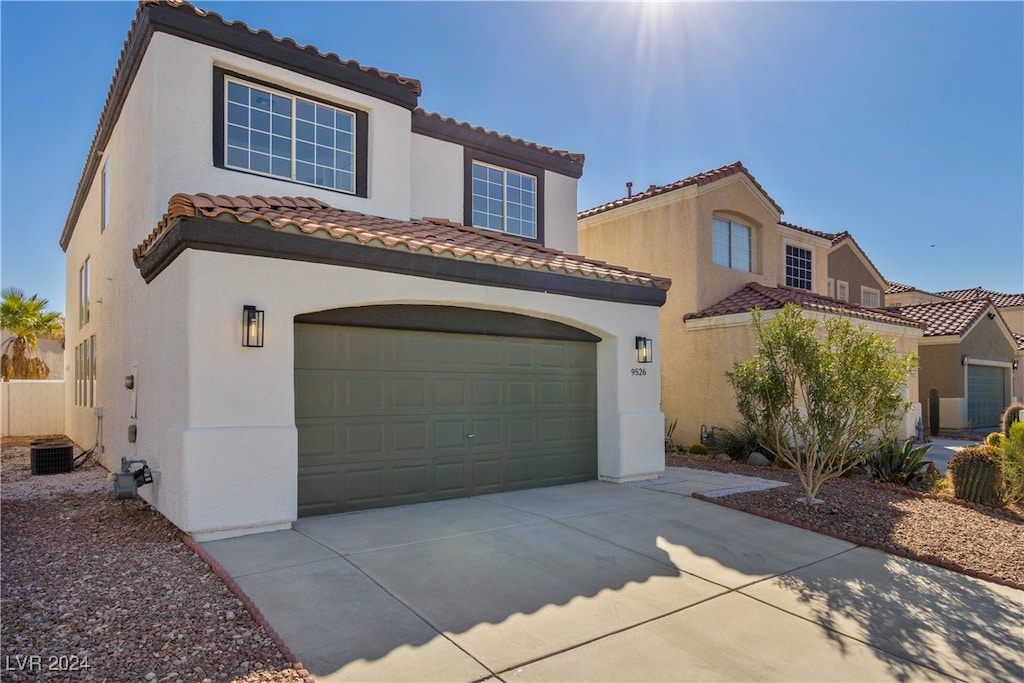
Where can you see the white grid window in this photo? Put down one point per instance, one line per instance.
(731, 244)
(842, 290)
(870, 297)
(798, 267)
(288, 137)
(504, 200)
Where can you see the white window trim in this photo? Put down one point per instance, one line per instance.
(294, 98)
(870, 290)
(843, 290)
(831, 288)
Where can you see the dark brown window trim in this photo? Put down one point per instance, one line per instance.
(471, 155)
(362, 130)
(457, 319)
(231, 238)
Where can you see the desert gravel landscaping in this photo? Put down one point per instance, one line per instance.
(90, 582)
(937, 529)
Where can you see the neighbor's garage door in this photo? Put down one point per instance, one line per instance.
(986, 395)
(389, 417)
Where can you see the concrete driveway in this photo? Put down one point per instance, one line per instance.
(606, 582)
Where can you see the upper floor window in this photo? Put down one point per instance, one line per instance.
(843, 290)
(282, 134)
(105, 196)
(504, 200)
(798, 267)
(732, 244)
(83, 293)
(870, 297)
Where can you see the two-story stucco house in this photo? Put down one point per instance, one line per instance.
(971, 352)
(301, 294)
(720, 237)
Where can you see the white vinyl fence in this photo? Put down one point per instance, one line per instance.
(32, 407)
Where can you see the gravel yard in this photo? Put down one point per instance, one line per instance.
(91, 582)
(979, 541)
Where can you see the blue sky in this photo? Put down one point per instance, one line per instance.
(900, 122)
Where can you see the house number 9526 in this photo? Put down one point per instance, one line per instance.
(638, 372)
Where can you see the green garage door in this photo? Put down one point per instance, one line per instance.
(986, 395)
(390, 417)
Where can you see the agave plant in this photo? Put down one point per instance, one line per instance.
(898, 464)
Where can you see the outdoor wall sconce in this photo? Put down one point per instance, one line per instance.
(252, 327)
(965, 359)
(1015, 364)
(644, 350)
(991, 316)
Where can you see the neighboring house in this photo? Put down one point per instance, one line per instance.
(51, 351)
(719, 236)
(280, 299)
(967, 354)
(1011, 310)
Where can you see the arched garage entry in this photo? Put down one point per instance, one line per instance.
(403, 404)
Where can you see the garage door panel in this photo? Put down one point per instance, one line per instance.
(486, 433)
(986, 394)
(385, 418)
(450, 477)
(410, 480)
(315, 395)
(409, 437)
(486, 393)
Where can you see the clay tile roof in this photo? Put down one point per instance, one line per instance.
(431, 236)
(831, 237)
(898, 288)
(1000, 299)
(755, 295)
(944, 318)
(412, 83)
(699, 179)
(574, 157)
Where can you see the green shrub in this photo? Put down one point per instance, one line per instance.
(1011, 415)
(739, 442)
(698, 449)
(977, 475)
(899, 464)
(994, 439)
(1013, 463)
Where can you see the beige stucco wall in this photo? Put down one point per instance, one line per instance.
(670, 235)
(911, 298)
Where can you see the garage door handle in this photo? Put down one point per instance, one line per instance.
(470, 436)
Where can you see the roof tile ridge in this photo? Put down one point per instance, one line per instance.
(575, 156)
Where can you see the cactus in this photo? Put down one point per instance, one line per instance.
(933, 412)
(977, 475)
(698, 449)
(1010, 415)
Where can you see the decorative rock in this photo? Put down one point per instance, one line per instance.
(723, 457)
(758, 459)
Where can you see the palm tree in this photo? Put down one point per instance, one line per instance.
(26, 319)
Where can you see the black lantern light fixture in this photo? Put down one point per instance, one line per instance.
(965, 359)
(1015, 364)
(644, 350)
(252, 327)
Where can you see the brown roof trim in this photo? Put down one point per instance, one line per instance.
(831, 237)
(428, 247)
(704, 178)
(182, 19)
(448, 129)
